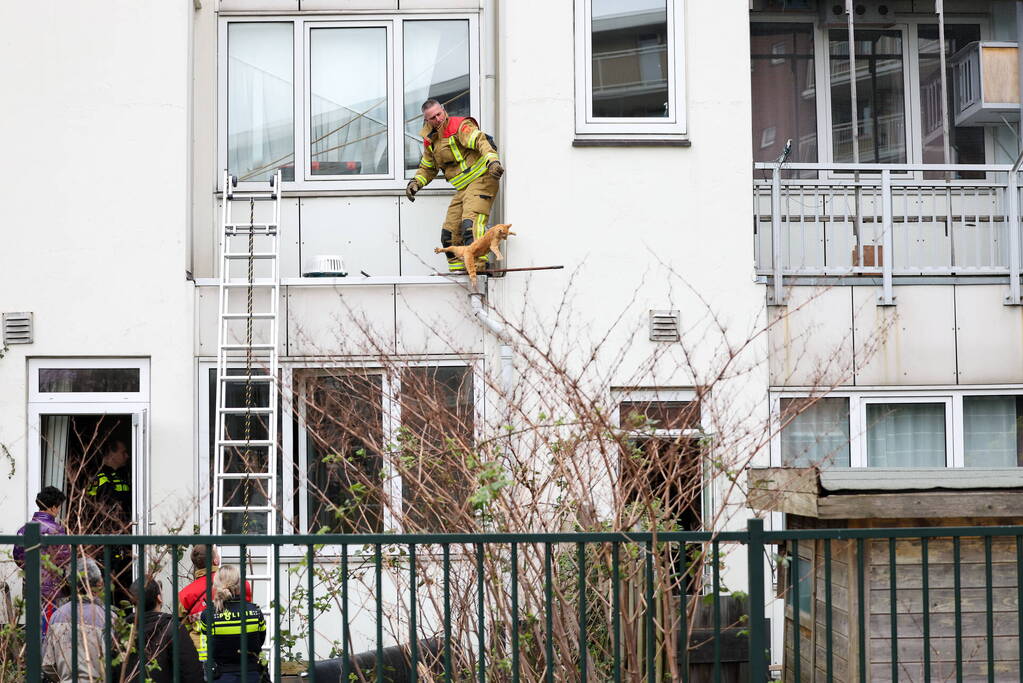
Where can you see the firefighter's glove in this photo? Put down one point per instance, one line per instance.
(495, 169)
(411, 189)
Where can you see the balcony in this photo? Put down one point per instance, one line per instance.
(886, 221)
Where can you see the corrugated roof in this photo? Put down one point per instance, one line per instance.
(876, 479)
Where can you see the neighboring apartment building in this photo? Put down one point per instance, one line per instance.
(622, 126)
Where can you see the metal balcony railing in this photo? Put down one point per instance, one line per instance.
(885, 221)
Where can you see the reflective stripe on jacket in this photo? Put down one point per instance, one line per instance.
(221, 633)
(462, 151)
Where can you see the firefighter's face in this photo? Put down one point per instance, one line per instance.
(436, 116)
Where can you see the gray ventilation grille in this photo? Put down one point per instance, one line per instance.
(17, 328)
(664, 326)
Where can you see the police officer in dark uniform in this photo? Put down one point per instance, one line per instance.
(110, 489)
(221, 627)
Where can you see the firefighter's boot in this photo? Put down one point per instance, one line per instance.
(455, 265)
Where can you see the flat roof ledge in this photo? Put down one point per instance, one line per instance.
(896, 493)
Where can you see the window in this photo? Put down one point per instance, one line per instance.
(385, 451)
(900, 429)
(898, 93)
(629, 76)
(815, 432)
(880, 97)
(783, 90)
(660, 466)
(353, 87)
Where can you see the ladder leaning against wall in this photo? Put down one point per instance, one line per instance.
(245, 462)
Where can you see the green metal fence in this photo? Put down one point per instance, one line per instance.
(944, 591)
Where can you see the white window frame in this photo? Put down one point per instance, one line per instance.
(673, 125)
(36, 396)
(951, 396)
(131, 403)
(396, 178)
(294, 451)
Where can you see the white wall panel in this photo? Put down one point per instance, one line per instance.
(438, 4)
(420, 233)
(340, 321)
(207, 300)
(914, 341)
(434, 319)
(811, 339)
(990, 336)
(362, 230)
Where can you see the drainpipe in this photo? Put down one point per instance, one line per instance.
(477, 300)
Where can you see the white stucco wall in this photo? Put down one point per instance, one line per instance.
(95, 211)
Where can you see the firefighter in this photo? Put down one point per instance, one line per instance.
(466, 155)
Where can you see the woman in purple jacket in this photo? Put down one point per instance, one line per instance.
(56, 558)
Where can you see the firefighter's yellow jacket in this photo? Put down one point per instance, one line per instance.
(462, 151)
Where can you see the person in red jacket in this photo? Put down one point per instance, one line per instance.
(192, 598)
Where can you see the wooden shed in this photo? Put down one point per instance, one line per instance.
(986, 606)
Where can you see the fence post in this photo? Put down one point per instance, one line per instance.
(33, 602)
(1012, 201)
(777, 294)
(887, 297)
(755, 564)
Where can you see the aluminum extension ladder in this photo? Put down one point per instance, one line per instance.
(245, 463)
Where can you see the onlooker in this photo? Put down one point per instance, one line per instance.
(158, 629)
(192, 598)
(56, 557)
(57, 651)
(222, 624)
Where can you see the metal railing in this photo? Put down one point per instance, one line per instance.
(824, 220)
(883, 604)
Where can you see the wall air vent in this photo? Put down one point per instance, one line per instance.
(17, 328)
(664, 326)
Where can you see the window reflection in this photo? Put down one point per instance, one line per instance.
(880, 97)
(348, 101)
(436, 62)
(630, 58)
(260, 100)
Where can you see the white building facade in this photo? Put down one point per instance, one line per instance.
(623, 128)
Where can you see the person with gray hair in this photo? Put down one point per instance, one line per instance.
(88, 632)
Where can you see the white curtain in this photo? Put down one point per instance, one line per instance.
(260, 99)
(989, 431)
(815, 432)
(55, 432)
(906, 434)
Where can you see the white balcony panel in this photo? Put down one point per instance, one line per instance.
(433, 319)
(341, 321)
(990, 335)
(420, 224)
(811, 340)
(361, 230)
(911, 343)
(207, 300)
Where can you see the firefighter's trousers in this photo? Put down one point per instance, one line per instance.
(467, 216)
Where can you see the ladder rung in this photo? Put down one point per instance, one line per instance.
(243, 411)
(250, 442)
(236, 476)
(257, 283)
(245, 225)
(246, 347)
(235, 197)
(247, 378)
(244, 316)
(251, 508)
(260, 255)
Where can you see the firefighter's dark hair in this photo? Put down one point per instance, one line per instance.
(429, 103)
